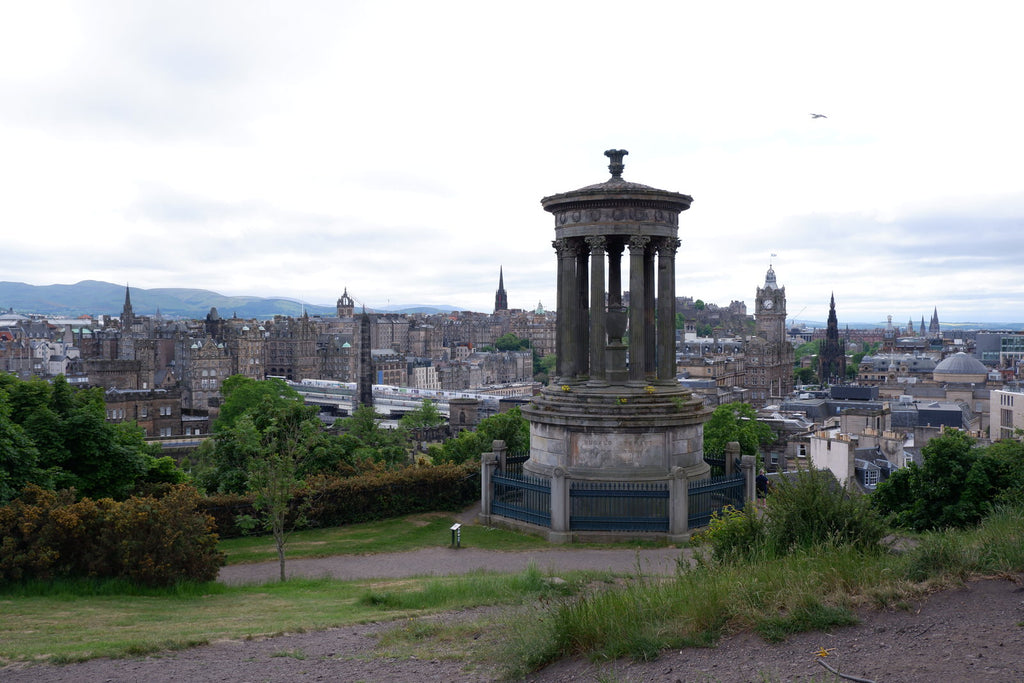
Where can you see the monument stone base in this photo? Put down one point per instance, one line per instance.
(616, 433)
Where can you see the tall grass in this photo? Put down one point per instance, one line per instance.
(774, 594)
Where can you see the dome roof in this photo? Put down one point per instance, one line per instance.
(616, 188)
(961, 364)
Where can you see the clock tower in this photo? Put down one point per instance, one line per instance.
(770, 310)
(769, 357)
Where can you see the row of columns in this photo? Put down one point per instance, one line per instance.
(589, 335)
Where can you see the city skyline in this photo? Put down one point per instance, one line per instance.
(401, 150)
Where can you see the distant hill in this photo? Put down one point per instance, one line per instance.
(91, 297)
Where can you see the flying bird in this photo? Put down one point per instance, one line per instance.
(818, 116)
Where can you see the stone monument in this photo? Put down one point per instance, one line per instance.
(616, 412)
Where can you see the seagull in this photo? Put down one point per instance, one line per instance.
(818, 116)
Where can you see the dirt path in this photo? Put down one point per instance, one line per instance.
(446, 561)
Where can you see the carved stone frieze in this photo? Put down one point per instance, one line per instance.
(616, 214)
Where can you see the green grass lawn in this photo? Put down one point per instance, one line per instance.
(388, 536)
(72, 621)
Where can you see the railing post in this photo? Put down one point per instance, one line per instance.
(498, 447)
(679, 506)
(488, 461)
(747, 464)
(559, 508)
(732, 451)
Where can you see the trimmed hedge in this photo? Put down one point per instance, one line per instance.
(333, 501)
(152, 541)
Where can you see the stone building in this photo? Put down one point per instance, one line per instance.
(1007, 413)
(156, 411)
(292, 348)
(203, 365)
(769, 356)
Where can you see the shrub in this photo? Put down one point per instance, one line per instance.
(162, 540)
(733, 534)
(804, 512)
(378, 494)
(152, 541)
(811, 509)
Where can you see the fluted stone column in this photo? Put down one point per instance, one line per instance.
(667, 309)
(637, 297)
(582, 331)
(565, 365)
(615, 322)
(598, 333)
(650, 338)
(615, 250)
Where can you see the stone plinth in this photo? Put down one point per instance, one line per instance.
(616, 433)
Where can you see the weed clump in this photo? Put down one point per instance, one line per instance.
(806, 511)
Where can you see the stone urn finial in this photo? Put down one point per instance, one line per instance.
(616, 166)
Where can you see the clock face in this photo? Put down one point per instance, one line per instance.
(768, 303)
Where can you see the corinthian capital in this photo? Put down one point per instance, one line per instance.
(638, 242)
(596, 244)
(668, 246)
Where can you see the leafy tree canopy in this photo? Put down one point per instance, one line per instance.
(510, 427)
(956, 484)
(426, 416)
(243, 394)
(272, 425)
(364, 439)
(735, 422)
(805, 376)
(56, 436)
(510, 342)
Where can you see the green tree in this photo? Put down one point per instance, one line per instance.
(545, 368)
(806, 350)
(805, 376)
(735, 422)
(364, 439)
(510, 427)
(273, 483)
(510, 342)
(19, 458)
(953, 487)
(699, 304)
(75, 446)
(244, 394)
(268, 426)
(282, 454)
(426, 416)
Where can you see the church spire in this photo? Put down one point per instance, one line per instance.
(500, 297)
(127, 314)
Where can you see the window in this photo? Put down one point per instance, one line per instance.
(144, 411)
(165, 410)
(870, 477)
(165, 431)
(801, 450)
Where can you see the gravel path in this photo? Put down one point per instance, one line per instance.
(446, 561)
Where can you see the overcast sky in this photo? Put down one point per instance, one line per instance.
(400, 149)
